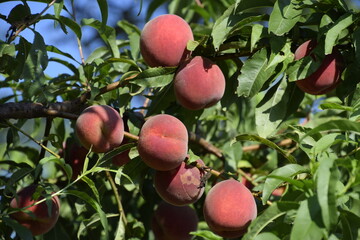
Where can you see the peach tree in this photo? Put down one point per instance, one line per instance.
(217, 119)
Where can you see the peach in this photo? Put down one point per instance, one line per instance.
(100, 127)
(163, 142)
(41, 220)
(163, 41)
(76, 157)
(326, 77)
(180, 186)
(174, 222)
(199, 83)
(229, 208)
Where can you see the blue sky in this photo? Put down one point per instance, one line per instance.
(67, 42)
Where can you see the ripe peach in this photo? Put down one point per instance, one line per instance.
(163, 142)
(174, 222)
(40, 221)
(180, 186)
(326, 77)
(101, 127)
(229, 208)
(199, 83)
(163, 41)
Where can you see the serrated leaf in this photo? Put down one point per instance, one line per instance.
(206, 235)
(342, 125)
(154, 77)
(277, 105)
(104, 11)
(326, 177)
(287, 171)
(252, 75)
(307, 224)
(97, 207)
(335, 31)
(256, 32)
(23, 232)
(133, 33)
(249, 137)
(92, 186)
(350, 223)
(284, 16)
(107, 34)
(276, 210)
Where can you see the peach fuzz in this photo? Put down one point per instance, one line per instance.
(163, 142)
(163, 41)
(174, 222)
(199, 83)
(180, 186)
(229, 208)
(39, 222)
(100, 127)
(326, 77)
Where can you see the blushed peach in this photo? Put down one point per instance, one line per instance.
(163, 142)
(180, 186)
(163, 41)
(326, 77)
(100, 127)
(40, 220)
(229, 208)
(174, 222)
(199, 83)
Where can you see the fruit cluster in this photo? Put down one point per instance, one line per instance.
(199, 83)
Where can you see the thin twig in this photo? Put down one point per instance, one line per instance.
(46, 135)
(25, 25)
(33, 139)
(117, 197)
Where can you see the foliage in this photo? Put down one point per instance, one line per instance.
(263, 125)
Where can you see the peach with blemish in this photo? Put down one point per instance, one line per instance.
(180, 186)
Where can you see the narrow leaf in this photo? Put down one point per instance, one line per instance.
(284, 17)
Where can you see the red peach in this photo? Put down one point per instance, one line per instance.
(174, 222)
(180, 186)
(326, 77)
(163, 41)
(229, 208)
(199, 83)
(100, 127)
(163, 142)
(40, 220)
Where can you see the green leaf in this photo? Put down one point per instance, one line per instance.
(327, 176)
(242, 5)
(267, 236)
(133, 33)
(350, 223)
(37, 60)
(302, 68)
(336, 30)
(152, 7)
(116, 151)
(23, 232)
(253, 74)
(342, 125)
(92, 186)
(104, 12)
(249, 137)
(208, 235)
(329, 105)
(256, 32)
(278, 104)
(308, 224)
(284, 16)
(287, 171)
(154, 77)
(276, 210)
(85, 197)
(54, 49)
(108, 35)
